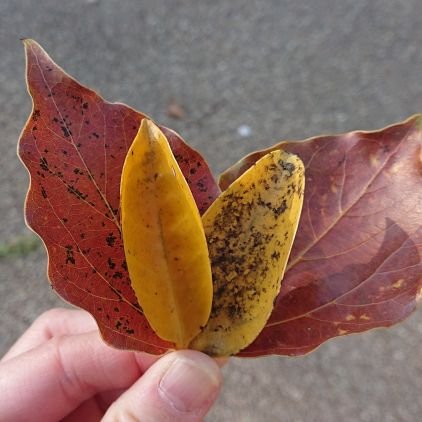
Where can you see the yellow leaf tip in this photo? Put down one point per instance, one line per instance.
(150, 129)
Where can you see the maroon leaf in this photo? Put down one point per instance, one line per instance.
(356, 261)
(74, 145)
(195, 170)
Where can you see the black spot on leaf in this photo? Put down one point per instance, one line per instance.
(286, 166)
(69, 255)
(36, 115)
(110, 239)
(44, 163)
(66, 131)
(111, 264)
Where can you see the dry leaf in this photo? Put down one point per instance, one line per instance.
(165, 246)
(250, 229)
(175, 110)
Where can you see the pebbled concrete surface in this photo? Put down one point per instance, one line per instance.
(284, 70)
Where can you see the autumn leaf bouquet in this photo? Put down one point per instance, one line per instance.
(140, 235)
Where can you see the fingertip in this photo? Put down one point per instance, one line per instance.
(189, 370)
(181, 386)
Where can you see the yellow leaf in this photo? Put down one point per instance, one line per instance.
(250, 230)
(164, 241)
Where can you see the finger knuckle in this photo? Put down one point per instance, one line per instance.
(52, 314)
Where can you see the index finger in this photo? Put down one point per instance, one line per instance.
(67, 371)
(55, 322)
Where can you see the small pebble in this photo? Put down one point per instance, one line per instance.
(244, 131)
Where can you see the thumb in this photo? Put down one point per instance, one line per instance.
(181, 386)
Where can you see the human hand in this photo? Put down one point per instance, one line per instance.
(60, 369)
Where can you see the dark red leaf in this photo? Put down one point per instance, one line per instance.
(195, 170)
(74, 145)
(356, 261)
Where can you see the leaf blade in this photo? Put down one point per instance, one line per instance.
(250, 230)
(165, 245)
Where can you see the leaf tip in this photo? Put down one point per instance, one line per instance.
(28, 42)
(33, 49)
(418, 121)
(150, 129)
(419, 296)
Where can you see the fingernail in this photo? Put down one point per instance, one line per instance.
(189, 384)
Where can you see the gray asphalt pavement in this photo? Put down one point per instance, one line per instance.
(247, 73)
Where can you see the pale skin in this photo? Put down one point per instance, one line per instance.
(60, 369)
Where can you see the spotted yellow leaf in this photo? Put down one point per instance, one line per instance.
(250, 230)
(164, 240)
